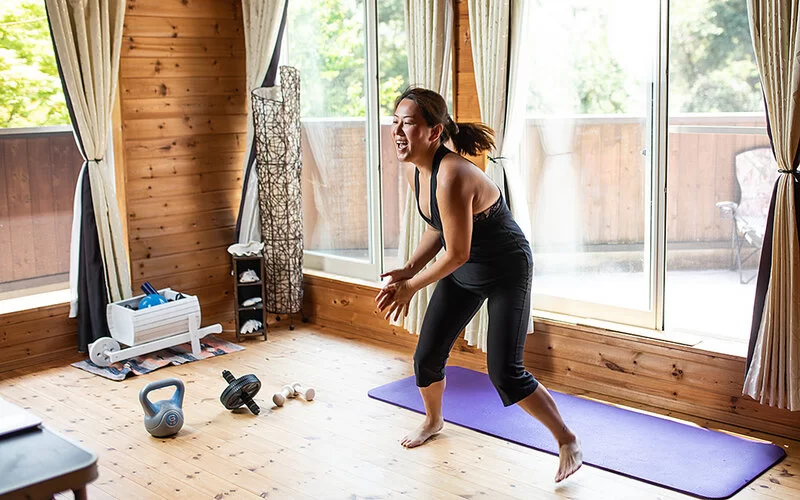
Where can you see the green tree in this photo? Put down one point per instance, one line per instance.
(583, 77)
(30, 88)
(603, 86)
(711, 63)
(392, 53)
(325, 41)
(326, 44)
(712, 67)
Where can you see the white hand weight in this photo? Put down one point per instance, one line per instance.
(307, 393)
(279, 398)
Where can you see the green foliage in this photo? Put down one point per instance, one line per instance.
(602, 88)
(325, 40)
(326, 44)
(584, 75)
(392, 54)
(30, 89)
(712, 67)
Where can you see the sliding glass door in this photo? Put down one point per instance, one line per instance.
(589, 156)
(721, 172)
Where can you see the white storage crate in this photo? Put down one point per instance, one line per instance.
(133, 326)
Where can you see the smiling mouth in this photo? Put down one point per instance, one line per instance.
(401, 145)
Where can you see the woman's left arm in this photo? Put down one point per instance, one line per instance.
(455, 208)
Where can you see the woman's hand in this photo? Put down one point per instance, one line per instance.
(396, 275)
(394, 298)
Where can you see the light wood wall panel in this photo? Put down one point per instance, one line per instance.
(37, 336)
(464, 87)
(182, 91)
(580, 360)
(465, 103)
(184, 9)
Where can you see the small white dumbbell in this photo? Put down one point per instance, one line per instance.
(307, 393)
(279, 398)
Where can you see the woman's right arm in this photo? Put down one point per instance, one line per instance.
(429, 246)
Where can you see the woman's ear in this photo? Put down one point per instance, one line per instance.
(436, 132)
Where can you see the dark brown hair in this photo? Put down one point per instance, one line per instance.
(468, 138)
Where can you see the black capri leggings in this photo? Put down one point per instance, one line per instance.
(452, 306)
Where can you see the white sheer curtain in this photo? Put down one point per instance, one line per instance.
(262, 20)
(497, 35)
(327, 173)
(88, 36)
(429, 24)
(773, 375)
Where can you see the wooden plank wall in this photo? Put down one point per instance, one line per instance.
(465, 104)
(580, 360)
(182, 99)
(38, 173)
(36, 336)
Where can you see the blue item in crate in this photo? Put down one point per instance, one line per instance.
(152, 298)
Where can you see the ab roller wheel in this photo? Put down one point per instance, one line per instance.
(240, 392)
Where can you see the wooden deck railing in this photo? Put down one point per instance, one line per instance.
(608, 177)
(38, 171)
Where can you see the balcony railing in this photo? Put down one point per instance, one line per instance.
(38, 171)
(606, 153)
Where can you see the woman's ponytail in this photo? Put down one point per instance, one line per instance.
(470, 138)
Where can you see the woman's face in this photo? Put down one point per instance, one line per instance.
(412, 134)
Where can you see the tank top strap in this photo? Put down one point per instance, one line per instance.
(416, 194)
(437, 159)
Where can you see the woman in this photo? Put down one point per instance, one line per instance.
(486, 257)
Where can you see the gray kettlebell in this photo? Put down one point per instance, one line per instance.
(165, 417)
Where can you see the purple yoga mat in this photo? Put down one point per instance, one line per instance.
(693, 460)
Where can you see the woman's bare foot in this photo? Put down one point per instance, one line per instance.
(570, 459)
(422, 433)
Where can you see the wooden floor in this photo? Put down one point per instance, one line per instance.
(342, 445)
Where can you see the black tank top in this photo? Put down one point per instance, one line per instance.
(497, 240)
(436, 221)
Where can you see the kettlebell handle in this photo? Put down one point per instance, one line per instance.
(177, 396)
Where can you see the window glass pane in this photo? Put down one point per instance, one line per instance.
(393, 79)
(325, 42)
(720, 170)
(585, 149)
(30, 89)
(39, 160)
